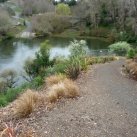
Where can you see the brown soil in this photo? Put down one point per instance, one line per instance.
(107, 107)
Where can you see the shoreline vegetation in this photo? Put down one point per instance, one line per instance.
(47, 80)
(63, 19)
(42, 66)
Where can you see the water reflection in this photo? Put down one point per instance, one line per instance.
(13, 53)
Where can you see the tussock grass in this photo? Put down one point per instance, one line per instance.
(55, 79)
(131, 68)
(60, 87)
(55, 92)
(72, 89)
(26, 103)
(66, 89)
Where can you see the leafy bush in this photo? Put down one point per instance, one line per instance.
(63, 9)
(77, 59)
(78, 48)
(40, 63)
(128, 37)
(73, 69)
(60, 68)
(79, 53)
(37, 82)
(3, 101)
(120, 48)
(10, 95)
(131, 53)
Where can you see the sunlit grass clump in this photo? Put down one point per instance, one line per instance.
(54, 79)
(26, 103)
(64, 89)
(59, 87)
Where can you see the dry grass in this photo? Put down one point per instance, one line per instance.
(72, 89)
(55, 79)
(131, 68)
(55, 92)
(66, 89)
(26, 103)
(60, 87)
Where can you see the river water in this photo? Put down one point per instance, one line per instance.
(13, 53)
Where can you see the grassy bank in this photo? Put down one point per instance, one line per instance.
(42, 67)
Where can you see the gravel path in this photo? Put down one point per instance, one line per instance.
(107, 107)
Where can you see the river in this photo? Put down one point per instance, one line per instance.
(13, 53)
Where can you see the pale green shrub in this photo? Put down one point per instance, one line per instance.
(120, 48)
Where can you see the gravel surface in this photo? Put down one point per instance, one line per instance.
(107, 107)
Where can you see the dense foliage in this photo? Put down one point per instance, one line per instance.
(120, 48)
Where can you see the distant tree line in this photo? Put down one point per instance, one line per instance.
(3, 0)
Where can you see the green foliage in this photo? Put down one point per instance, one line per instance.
(78, 49)
(63, 9)
(78, 53)
(128, 37)
(131, 53)
(73, 69)
(77, 59)
(10, 95)
(37, 82)
(120, 48)
(40, 63)
(59, 68)
(3, 101)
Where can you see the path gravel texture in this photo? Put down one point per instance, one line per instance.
(107, 107)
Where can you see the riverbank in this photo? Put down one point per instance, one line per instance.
(100, 110)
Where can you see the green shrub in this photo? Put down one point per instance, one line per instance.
(42, 61)
(128, 37)
(78, 53)
(120, 48)
(3, 101)
(73, 69)
(12, 94)
(59, 68)
(63, 9)
(37, 82)
(131, 53)
(49, 71)
(78, 48)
